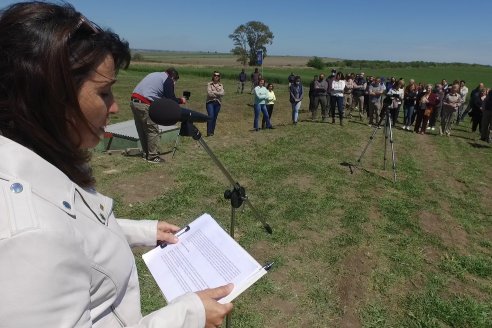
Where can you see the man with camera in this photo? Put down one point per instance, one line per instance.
(154, 86)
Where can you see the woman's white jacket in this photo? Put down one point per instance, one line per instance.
(65, 260)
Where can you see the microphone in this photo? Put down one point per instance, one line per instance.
(166, 112)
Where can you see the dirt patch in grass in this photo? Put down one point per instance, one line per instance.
(144, 187)
(352, 285)
(451, 234)
(303, 182)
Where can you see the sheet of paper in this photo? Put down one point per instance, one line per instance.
(205, 257)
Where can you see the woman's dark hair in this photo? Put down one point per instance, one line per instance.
(47, 51)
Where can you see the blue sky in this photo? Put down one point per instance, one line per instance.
(429, 30)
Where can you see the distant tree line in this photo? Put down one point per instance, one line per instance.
(318, 63)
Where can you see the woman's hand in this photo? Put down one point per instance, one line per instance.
(214, 311)
(166, 231)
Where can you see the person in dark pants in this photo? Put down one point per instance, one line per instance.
(476, 109)
(311, 93)
(241, 81)
(486, 117)
(153, 86)
(269, 104)
(215, 91)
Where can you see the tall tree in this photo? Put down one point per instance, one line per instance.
(248, 39)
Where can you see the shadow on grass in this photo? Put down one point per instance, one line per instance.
(478, 145)
(352, 168)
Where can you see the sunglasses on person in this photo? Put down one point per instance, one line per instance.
(85, 25)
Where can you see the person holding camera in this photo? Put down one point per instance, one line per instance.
(396, 92)
(215, 91)
(65, 258)
(153, 86)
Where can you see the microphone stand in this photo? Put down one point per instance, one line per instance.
(237, 193)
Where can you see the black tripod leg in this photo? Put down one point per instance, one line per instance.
(176, 143)
(386, 130)
(371, 138)
(393, 158)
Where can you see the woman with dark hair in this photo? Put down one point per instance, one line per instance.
(215, 91)
(409, 102)
(65, 259)
(269, 104)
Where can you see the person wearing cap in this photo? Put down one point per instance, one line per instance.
(153, 86)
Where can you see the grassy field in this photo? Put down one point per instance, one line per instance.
(350, 249)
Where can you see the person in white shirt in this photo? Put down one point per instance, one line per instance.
(337, 89)
(463, 94)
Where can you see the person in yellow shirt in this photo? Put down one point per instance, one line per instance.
(269, 104)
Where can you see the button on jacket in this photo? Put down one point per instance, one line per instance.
(65, 260)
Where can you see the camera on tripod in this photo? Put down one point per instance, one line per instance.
(388, 100)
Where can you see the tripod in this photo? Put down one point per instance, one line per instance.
(388, 133)
(237, 193)
(176, 143)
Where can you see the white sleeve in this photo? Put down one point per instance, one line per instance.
(184, 311)
(139, 232)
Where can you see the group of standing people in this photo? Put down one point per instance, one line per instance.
(333, 92)
(157, 85)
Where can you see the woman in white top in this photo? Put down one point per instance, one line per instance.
(65, 260)
(337, 88)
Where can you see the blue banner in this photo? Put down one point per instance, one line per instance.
(259, 56)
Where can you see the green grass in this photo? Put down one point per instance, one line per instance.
(349, 249)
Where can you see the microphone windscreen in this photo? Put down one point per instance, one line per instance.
(164, 111)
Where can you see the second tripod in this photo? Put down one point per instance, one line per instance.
(388, 134)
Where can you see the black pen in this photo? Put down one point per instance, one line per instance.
(179, 233)
(268, 266)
